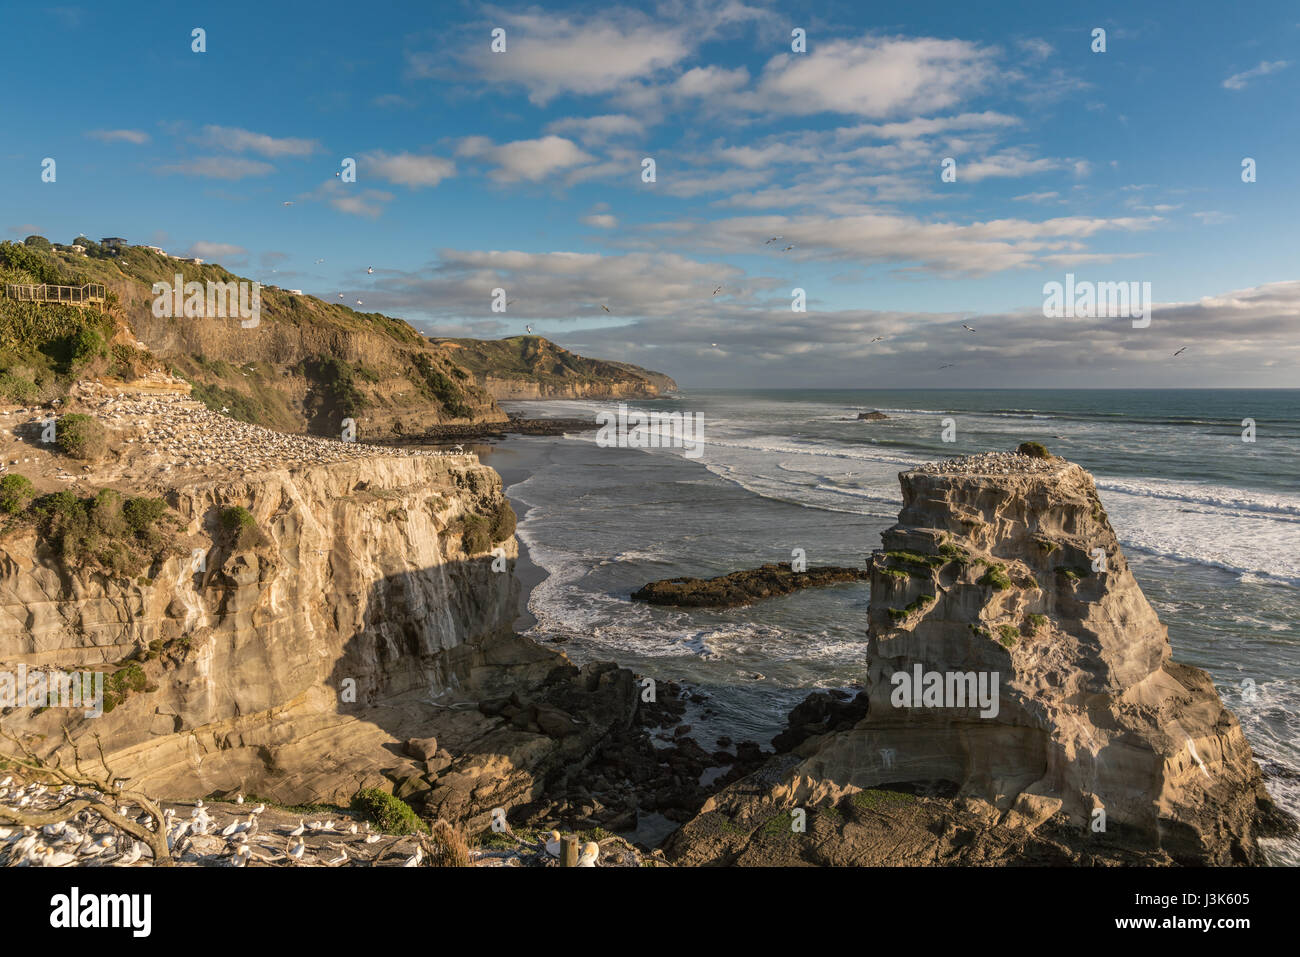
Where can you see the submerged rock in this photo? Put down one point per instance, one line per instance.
(744, 587)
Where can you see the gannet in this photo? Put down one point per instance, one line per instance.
(553, 844)
(297, 850)
(299, 829)
(1180, 352)
(132, 854)
(590, 854)
(414, 859)
(338, 859)
(259, 809)
(369, 270)
(239, 799)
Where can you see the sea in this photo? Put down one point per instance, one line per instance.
(1210, 524)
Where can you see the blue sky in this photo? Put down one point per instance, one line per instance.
(522, 170)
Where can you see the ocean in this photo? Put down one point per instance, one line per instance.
(1210, 524)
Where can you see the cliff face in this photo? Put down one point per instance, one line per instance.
(530, 367)
(1004, 574)
(360, 581)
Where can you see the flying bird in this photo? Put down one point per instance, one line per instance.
(319, 261)
(967, 328)
(369, 270)
(286, 204)
(528, 329)
(605, 307)
(788, 248)
(877, 339)
(948, 366)
(1181, 351)
(360, 303)
(772, 240)
(718, 290)
(713, 344)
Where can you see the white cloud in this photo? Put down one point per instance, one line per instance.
(548, 54)
(119, 136)
(239, 141)
(1239, 81)
(598, 129)
(528, 160)
(601, 220)
(873, 76)
(408, 169)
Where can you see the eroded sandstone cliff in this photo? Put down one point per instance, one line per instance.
(1099, 745)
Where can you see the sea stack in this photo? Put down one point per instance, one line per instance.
(1004, 574)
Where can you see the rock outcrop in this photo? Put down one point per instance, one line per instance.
(744, 587)
(1003, 574)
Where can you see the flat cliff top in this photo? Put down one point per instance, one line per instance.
(994, 463)
(155, 434)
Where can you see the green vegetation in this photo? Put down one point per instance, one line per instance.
(1035, 450)
(980, 632)
(1046, 545)
(81, 437)
(434, 384)
(121, 683)
(16, 492)
(1008, 634)
(919, 602)
(1073, 574)
(1036, 621)
(876, 799)
(121, 538)
(335, 385)
(895, 573)
(996, 578)
(954, 553)
(480, 532)
(241, 527)
(390, 814)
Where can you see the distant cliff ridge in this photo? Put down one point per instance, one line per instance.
(530, 367)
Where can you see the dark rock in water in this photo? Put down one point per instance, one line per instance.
(744, 587)
(819, 713)
(871, 416)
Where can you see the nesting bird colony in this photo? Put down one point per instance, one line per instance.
(240, 834)
(992, 463)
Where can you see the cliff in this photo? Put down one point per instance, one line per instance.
(1003, 575)
(530, 367)
(291, 652)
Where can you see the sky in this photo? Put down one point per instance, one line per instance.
(525, 170)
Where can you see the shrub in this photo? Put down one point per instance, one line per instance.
(38, 242)
(17, 388)
(996, 578)
(141, 513)
(81, 437)
(241, 527)
(390, 814)
(87, 344)
(503, 522)
(1009, 634)
(1034, 450)
(1037, 621)
(15, 492)
(474, 535)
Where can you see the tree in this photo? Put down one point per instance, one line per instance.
(38, 242)
(103, 793)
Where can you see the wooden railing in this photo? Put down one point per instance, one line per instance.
(68, 295)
